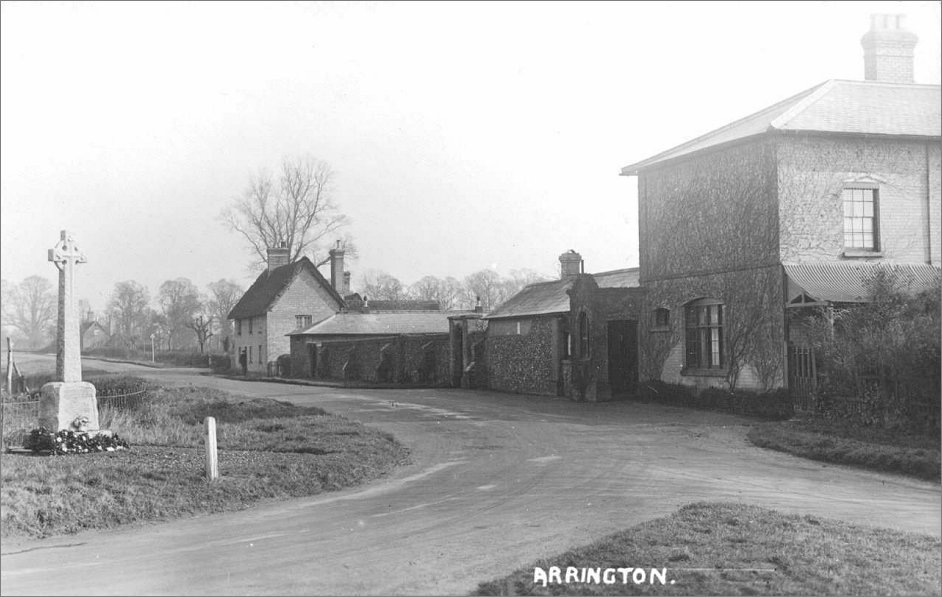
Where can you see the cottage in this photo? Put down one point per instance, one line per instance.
(794, 205)
(285, 297)
(94, 335)
(576, 336)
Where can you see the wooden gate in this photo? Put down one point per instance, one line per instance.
(802, 376)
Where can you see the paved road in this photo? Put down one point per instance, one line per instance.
(497, 481)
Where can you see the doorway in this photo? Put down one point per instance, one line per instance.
(623, 355)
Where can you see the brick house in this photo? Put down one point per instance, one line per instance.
(576, 336)
(285, 297)
(791, 206)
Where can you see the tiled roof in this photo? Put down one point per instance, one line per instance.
(619, 278)
(404, 305)
(835, 106)
(843, 282)
(541, 298)
(380, 323)
(544, 298)
(270, 284)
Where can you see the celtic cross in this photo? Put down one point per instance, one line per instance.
(68, 347)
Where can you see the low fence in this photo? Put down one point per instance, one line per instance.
(20, 412)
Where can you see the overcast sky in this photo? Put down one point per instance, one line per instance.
(463, 136)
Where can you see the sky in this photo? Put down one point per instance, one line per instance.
(463, 136)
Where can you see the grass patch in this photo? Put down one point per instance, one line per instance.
(841, 443)
(267, 450)
(805, 555)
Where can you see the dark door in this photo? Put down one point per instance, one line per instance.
(622, 355)
(457, 356)
(312, 348)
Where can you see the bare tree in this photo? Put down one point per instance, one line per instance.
(379, 285)
(447, 291)
(179, 301)
(486, 286)
(296, 209)
(202, 326)
(223, 296)
(129, 311)
(31, 307)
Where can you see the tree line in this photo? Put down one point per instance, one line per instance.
(179, 316)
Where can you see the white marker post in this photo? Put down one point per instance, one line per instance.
(212, 463)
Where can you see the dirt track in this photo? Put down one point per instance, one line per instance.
(498, 481)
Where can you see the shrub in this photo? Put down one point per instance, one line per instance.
(774, 404)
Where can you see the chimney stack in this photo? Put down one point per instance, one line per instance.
(570, 264)
(336, 269)
(888, 49)
(278, 256)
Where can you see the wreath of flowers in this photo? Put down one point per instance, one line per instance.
(66, 441)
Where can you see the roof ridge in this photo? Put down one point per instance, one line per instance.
(725, 127)
(803, 104)
(615, 271)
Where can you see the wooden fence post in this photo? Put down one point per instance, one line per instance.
(212, 463)
(9, 366)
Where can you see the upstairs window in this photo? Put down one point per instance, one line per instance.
(703, 331)
(238, 327)
(860, 219)
(251, 323)
(303, 321)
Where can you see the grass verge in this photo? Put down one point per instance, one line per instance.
(840, 443)
(267, 450)
(734, 549)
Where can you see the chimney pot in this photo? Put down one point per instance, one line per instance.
(570, 263)
(888, 49)
(336, 269)
(277, 256)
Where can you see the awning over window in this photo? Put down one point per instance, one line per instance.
(843, 282)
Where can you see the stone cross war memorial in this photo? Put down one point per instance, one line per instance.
(68, 403)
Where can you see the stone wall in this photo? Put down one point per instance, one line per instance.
(713, 213)
(421, 359)
(753, 330)
(814, 169)
(524, 359)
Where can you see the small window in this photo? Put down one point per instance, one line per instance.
(567, 345)
(860, 219)
(260, 359)
(250, 353)
(303, 321)
(583, 335)
(704, 334)
(662, 318)
(251, 322)
(238, 327)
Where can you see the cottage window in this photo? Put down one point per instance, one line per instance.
(260, 359)
(662, 318)
(303, 321)
(860, 219)
(704, 334)
(251, 322)
(583, 335)
(238, 327)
